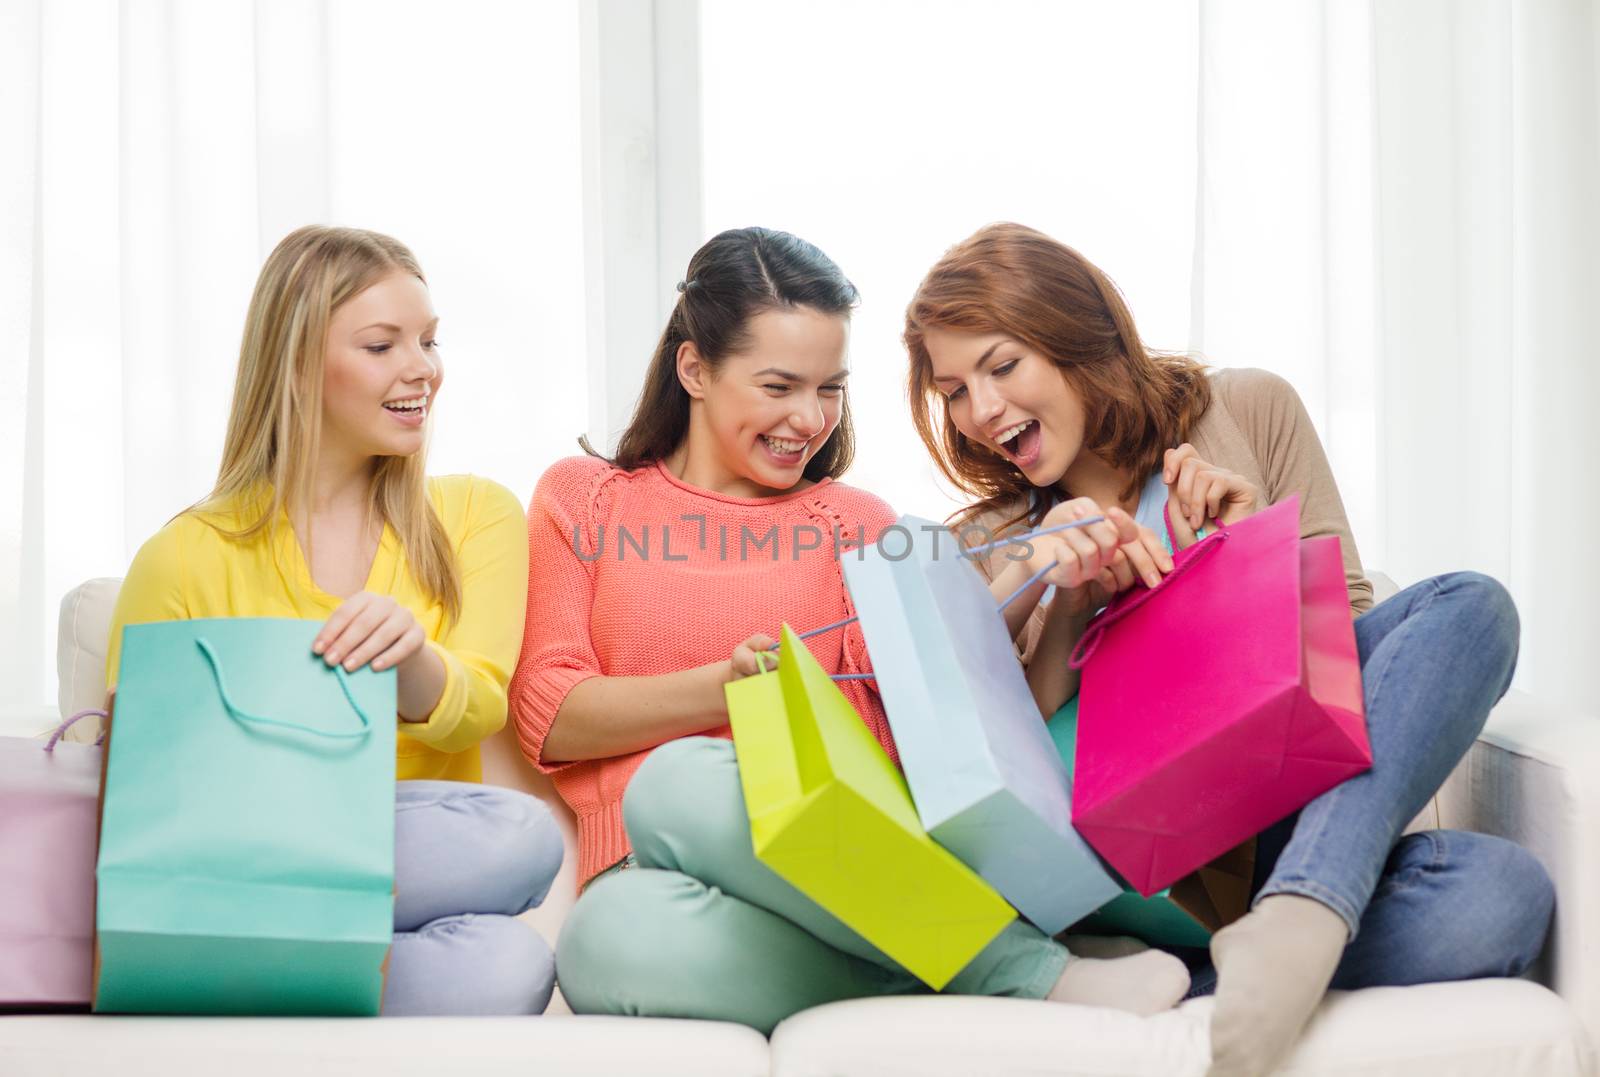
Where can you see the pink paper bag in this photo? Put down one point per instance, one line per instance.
(1219, 702)
(48, 819)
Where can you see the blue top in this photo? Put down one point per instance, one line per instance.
(1152, 499)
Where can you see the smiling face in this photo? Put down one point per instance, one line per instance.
(759, 418)
(1010, 399)
(381, 369)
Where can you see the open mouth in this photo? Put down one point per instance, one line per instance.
(411, 410)
(1020, 443)
(784, 450)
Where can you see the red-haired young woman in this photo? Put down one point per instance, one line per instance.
(1033, 393)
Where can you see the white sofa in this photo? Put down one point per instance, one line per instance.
(1534, 776)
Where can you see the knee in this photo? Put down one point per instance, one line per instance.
(612, 956)
(1527, 899)
(1507, 904)
(521, 833)
(1490, 624)
(521, 973)
(667, 801)
(511, 834)
(470, 965)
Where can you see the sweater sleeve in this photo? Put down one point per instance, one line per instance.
(480, 648)
(154, 589)
(1292, 460)
(558, 652)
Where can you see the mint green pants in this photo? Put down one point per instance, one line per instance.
(703, 929)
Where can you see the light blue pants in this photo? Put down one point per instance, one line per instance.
(467, 859)
(703, 929)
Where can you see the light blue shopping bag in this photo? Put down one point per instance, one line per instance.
(988, 784)
(246, 861)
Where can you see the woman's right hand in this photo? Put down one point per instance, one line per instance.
(1094, 563)
(748, 656)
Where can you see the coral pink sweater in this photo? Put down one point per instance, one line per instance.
(636, 573)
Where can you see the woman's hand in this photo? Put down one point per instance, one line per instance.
(748, 656)
(1098, 561)
(1198, 491)
(369, 629)
(375, 630)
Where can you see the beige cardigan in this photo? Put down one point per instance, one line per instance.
(1256, 426)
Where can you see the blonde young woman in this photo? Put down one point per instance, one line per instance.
(322, 510)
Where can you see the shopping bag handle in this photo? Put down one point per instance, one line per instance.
(973, 553)
(762, 656)
(773, 652)
(978, 551)
(1037, 576)
(239, 714)
(64, 726)
(1129, 601)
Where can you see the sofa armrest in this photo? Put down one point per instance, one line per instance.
(1534, 777)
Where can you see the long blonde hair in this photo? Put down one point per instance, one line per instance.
(275, 425)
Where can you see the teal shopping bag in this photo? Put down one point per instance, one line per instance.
(246, 861)
(1185, 913)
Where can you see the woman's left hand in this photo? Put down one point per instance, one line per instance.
(369, 628)
(1199, 491)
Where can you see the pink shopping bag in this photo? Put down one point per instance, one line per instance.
(1219, 702)
(49, 813)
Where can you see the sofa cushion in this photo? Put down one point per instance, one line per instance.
(81, 636)
(394, 1047)
(1478, 1028)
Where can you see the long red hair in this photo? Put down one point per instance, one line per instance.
(1008, 278)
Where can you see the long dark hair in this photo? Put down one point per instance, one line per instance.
(737, 274)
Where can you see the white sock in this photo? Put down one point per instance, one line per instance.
(1273, 967)
(1143, 983)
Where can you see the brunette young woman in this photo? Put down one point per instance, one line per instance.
(659, 576)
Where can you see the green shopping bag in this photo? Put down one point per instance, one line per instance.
(1185, 913)
(831, 814)
(246, 860)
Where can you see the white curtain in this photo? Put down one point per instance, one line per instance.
(156, 150)
(1397, 211)
(1389, 202)
(913, 123)
(1283, 272)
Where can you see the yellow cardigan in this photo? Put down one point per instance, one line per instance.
(189, 569)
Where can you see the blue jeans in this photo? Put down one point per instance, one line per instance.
(1443, 904)
(468, 858)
